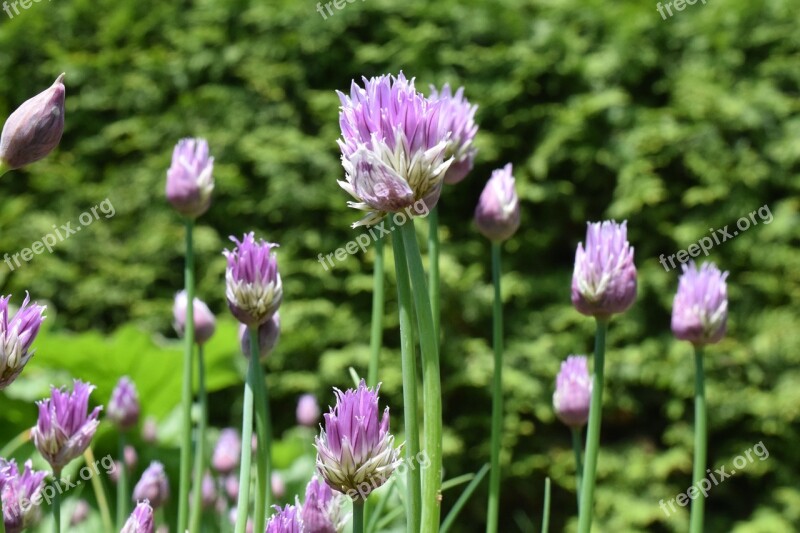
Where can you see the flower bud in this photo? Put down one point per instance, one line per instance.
(189, 179)
(80, 513)
(16, 338)
(268, 334)
(307, 410)
(573, 392)
(253, 285)
(150, 430)
(152, 486)
(227, 451)
(123, 408)
(497, 213)
(700, 309)
(204, 321)
(141, 519)
(34, 129)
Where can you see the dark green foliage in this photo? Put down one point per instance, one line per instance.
(605, 109)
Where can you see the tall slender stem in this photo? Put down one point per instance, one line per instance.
(493, 512)
(122, 484)
(264, 431)
(57, 502)
(253, 374)
(186, 396)
(358, 516)
(200, 451)
(99, 492)
(409, 366)
(546, 510)
(433, 259)
(700, 440)
(576, 448)
(431, 381)
(376, 331)
(593, 432)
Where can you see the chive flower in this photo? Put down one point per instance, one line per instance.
(573, 393)
(123, 407)
(16, 337)
(253, 285)
(700, 309)
(190, 179)
(458, 116)
(497, 213)
(20, 493)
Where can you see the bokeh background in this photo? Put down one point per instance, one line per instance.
(605, 109)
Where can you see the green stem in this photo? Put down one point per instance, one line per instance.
(576, 447)
(593, 431)
(546, 510)
(376, 331)
(432, 384)
(3, 169)
(122, 484)
(56, 503)
(186, 396)
(378, 511)
(253, 374)
(462, 500)
(409, 368)
(358, 516)
(264, 431)
(15, 443)
(433, 259)
(493, 512)
(200, 452)
(700, 440)
(99, 492)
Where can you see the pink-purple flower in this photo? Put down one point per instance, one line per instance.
(497, 213)
(355, 452)
(141, 519)
(21, 495)
(700, 309)
(190, 179)
(393, 147)
(573, 393)
(604, 279)
(322, 509)
(286, 520)
(65, 427)
(123, 407)
(204, 322)
(458, 116)
(307, 410)
(34, 129)
(153, 485)
(253, 285)
(227, 451)
(16, 337)
(268, 335)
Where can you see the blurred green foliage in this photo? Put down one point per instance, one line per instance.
(605, 109)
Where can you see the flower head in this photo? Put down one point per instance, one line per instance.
(189, 179)
(141, 519)
(18, 491)
(227, 451)
(700, 309)
(123, 407)
(153, 485)
(604, 279)
(573, 391)
(80, 513)
(64, 429)
(286, 520)
(150, 430)
(268, 335)
(254, 289)
(204, 321)
(35, 128)
(458, 116)
(393, 147)
(307, 410)
(16, 337)
(355, 453)
(497, 213)
(208, 491)
(322, 509)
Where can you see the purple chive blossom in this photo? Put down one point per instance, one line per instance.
(208, 491)
(573, 392)
(354, 452)
(152, 486)
(458, 116)
(20, 493)
(141, 519)
(80, 513)
(321, 511)
(393, 147)
(204, 321)
(231, 485)
(16, 336)
(604, 279)
(254, 289)
(497, 213)
(700, 309)
(189, 179)
(278, 485)
(307, 410)
(34, 129)
(227, 452)
(150, 430)
(123, 407)
(286, 520)
(268, 335)
(64, 430)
